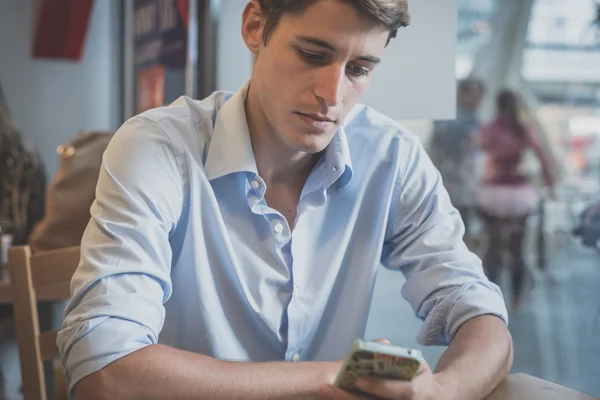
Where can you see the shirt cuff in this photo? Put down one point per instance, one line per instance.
(471, 300)
(98, 342)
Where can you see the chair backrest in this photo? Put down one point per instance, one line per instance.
(43, 276)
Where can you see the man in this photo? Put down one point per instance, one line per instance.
(453, 149)
(234, 235)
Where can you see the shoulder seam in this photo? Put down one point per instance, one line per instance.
(172, 150)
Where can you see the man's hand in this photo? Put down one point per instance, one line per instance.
(423, 387)
(477, 360)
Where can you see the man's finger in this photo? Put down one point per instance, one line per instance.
(383, 341)
(387, 389)
(424, 368)
(331, 392)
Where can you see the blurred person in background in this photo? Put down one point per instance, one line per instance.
(454, 152)
(22, 180)
(507, 197)
(22, 189)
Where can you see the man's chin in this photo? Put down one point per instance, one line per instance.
(310, 143)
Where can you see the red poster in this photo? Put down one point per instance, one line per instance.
(151, 88)
(61, 28)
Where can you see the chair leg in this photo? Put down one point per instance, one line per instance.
(60, 382)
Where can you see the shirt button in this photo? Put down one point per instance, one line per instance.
(255, 184)
(278, 228)
(296, 357)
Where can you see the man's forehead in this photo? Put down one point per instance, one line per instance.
(328, 36)
(339, 15)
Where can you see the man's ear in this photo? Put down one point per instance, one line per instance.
(253, 23)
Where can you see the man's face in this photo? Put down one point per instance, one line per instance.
(471, 98)
(313, 70)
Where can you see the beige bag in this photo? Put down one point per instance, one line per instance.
(71, 193)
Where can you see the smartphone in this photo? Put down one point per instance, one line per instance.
(378, 360)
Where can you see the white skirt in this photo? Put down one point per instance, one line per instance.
(507, 201)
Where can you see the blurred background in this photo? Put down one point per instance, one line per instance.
(548, 53)
(504, 94)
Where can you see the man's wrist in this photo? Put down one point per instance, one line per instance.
(325, 378)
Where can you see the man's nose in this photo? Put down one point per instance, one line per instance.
(328, 87)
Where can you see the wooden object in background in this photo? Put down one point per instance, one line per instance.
(30, 275)
(526, 387)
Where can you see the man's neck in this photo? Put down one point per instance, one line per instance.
(284, 170)
(276, 162)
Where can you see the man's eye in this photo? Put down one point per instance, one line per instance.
(358, 71)
(312, 58)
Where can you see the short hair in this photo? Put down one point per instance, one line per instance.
(390, 14)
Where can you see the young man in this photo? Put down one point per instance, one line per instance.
(234, 235)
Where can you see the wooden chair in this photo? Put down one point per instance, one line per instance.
(40, 277)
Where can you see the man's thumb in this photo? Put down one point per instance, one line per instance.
(383, 341)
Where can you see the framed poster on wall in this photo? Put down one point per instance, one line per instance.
(160, 53)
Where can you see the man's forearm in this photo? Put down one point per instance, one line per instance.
(478, 359)
(160, 372)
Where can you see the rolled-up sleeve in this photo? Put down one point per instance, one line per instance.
(445, 283)
(123, 280)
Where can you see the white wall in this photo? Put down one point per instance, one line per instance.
(234, 62)
(415, 81)
(52, 100)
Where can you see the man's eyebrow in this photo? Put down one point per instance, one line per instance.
(328, 46)
(371, 59)
(317, 42)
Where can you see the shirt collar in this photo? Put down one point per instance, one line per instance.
(337, 160)
(230, 149)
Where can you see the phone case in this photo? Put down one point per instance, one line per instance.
(380, 361)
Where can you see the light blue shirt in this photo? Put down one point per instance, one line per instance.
(182, 248)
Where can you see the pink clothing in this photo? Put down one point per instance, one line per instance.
(507, 201)
(506, 192)
(504, 150)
